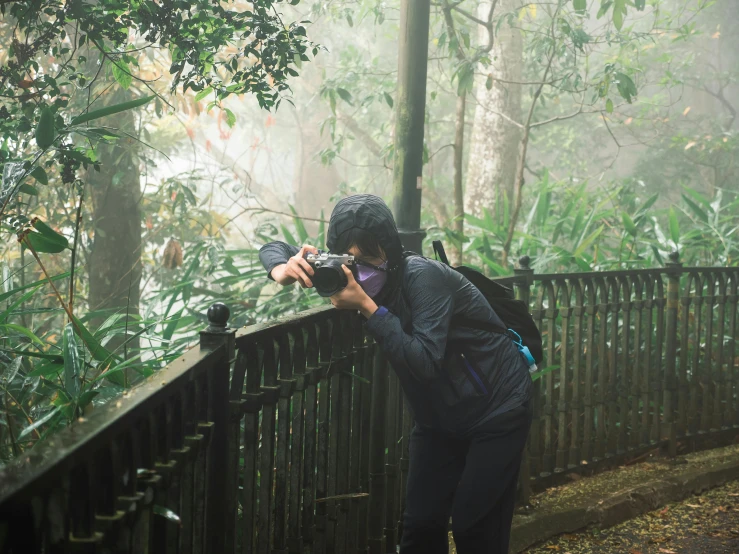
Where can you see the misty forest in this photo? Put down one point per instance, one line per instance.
(150, 148)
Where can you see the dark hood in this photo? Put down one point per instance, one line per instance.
(370, 213)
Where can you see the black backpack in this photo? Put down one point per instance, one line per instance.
(514, 313)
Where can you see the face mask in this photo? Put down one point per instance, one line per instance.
(371, 279)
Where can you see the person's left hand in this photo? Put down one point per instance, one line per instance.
(353, 297)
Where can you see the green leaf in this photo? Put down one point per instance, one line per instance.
(703, 216)
(72, 363)
(496, 268)
(489, 81)
(577, 224)
(388, 99)
(167, 514)
(86, 397)
(23, 331)
(648, 204)
(626, 87)
(302, 233)
(46, 239)
(28, 189)
(465, 38)
(203, 93)
(122, 74)
(110, 110)
(466, 79)
(345, 95)
(674, 227)
(657, 255)
(580, 5)
(585, 244)
(41, 243)
(542, 372)
(357, 377)
(698, 197)
(289, 238)
(12, 370)
(609, 106)
(603, 9)
(45, 132)
(48, 370)
(4, 315)
(230, 118)
(629, 224)
(97, 350)
(38, 423)
(321, 233)
(40, 175)
(16, 290)
(619, 12)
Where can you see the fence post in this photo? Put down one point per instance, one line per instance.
(220, 500)
(670, 377)
(377, 477)
(523, 282)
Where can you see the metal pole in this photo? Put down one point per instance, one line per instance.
(410, 109)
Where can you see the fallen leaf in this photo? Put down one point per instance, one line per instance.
(690, 145)
(628, 121)
(685, 112)
(667, 551)
(553, 547)
(694, 505)
(635, 552)
(664, 512)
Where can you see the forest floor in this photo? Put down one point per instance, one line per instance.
(657, 489)
(706, 524)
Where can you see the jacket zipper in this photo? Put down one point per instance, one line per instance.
(476, 380)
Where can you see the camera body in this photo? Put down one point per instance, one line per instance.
(329, 277)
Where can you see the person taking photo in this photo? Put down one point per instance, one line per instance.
(469, 389)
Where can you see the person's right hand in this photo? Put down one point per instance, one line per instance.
(297, 269)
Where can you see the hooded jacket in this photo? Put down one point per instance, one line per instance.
(455, 378)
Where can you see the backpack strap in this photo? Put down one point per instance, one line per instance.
(439, 252)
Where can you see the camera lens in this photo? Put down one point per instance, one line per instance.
(329, 280)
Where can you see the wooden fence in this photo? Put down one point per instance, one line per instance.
(307, 449)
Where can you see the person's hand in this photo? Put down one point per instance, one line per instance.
(297, 269)
(353, 297)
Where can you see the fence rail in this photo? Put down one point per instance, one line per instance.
(306, 448)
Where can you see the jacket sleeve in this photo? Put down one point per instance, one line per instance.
(420, 353)
(276, 253)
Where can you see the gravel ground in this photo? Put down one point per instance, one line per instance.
(706, 524)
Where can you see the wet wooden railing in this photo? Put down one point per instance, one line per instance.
(306, 448)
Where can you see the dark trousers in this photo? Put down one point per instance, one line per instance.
(472, 480)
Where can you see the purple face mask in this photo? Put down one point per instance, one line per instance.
(371, 279)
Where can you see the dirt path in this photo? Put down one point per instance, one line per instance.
(706, 524)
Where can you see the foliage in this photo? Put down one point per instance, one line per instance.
(572, 227)
(64, 63)
(59, 50)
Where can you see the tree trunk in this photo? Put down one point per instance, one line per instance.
(115, 191)
(494, 145)
(410, 107)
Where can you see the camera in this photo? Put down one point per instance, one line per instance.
(329, 277)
